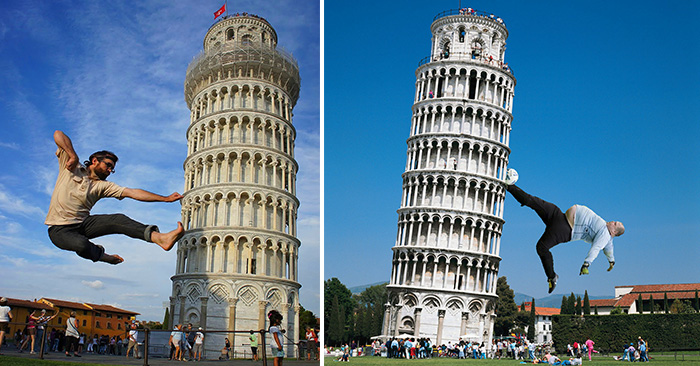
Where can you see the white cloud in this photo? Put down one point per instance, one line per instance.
(10, 145)
(11, 204)
(96, 284)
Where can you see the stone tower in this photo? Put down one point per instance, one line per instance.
(238, 257)
(445, 261)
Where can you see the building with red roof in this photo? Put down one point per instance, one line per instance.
(92, 318)
(627, 297)
(543, 322)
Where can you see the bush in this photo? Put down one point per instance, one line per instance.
(661, 331)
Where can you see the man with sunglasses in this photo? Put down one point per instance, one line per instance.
(577, 223)
(78, 188)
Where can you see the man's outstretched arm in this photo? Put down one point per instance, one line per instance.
(146, 196)
(65, 144)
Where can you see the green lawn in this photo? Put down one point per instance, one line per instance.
(690, 360)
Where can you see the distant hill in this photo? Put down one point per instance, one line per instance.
(358, 289)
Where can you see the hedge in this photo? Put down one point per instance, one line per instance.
(610, 332)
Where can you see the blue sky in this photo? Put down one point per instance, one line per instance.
(605, 115)
(111, 75)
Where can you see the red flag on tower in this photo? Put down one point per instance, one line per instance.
(220, 11)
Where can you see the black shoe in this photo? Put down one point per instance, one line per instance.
(67, 355)
(552, 283)
(76, 355)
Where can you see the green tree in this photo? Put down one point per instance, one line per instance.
(564, 308)
(665, 303)
(681, 307)
(640, 306)
(338, 307)
(505, 307)
(306, 319)
(336, 332)
(595, 309)
(531, 323)
(586, 304)
(617, 310)
(369, 312)
(577, 308)
(696, 303)
(166, 319)
(651, 301)
(571, 303)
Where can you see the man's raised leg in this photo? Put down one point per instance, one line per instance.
(99, 225)
(545, 210)
(557, 229)
(547, 241)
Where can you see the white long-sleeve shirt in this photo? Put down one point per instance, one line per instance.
(592, 229)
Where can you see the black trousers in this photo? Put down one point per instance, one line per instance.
(76, 237)
(71, 344)
(557, 228)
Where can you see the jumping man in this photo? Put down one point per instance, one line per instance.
(578, 223)
(78, 188)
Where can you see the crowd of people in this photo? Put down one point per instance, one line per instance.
(186, 343)
(516, 349)
(632, 354)
(63, 340)
(56, 342)
(581, 348)
(412, 348)
(470, 11)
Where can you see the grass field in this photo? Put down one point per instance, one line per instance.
(692, 359)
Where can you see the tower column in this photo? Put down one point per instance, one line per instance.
(416, 316)
(441, 321)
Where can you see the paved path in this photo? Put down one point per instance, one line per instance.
(152, 361)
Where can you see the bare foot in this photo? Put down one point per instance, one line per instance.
(111, 258)
(167, 240)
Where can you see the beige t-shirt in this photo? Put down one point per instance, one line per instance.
(75, 193)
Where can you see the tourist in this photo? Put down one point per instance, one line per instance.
(133, 343)
(198, 344)
(642, 350)
(31, 330)
(589, 346)
(276, 344)
(254, 344)
(78, 188)
(578, 223)
(225, 350)
(175, 341)
(72, 335)
(5, 318)
(42, 323)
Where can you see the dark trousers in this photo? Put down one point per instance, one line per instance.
(76, 237)
(557, 228)
(71, 344)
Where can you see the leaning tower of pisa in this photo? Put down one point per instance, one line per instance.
(445, 260)
(238, 257)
